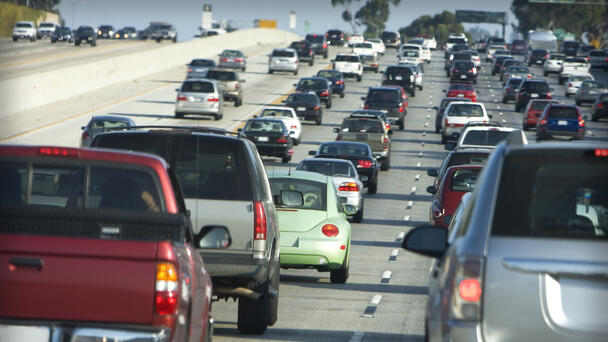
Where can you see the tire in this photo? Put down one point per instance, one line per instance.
(328, 104)
(53, 41)
(238, 102)
(33, 39)
(413, 92)
(359, 77)
(376, 70)
(93, 43)
(285, 160)
(318, 120)
(340, 275)
(325, 55)
(14, 39)
(504, 100)
(401, 124)
(358, 217)
(493, 73)
(545, 73)
(311, 62)
(447, 74)
(253, 314)
(444, 139)
(273, 304)
(243, 69)
(517, 108)
(578, 103)
(179, 115)
(594, 118)
(77, 42)
(158, 40)
(296, 142)
(295, 72)
(218, 117)
(341, 94)
(525, 127)
(386, 163)
(373, 188)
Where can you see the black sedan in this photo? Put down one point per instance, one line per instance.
(360, 154)
(463, 72)
(600, 107)
(270, 137)
(537, 56)
(337, 80)
(305, 53)
(307, 106)
(318, 85)
(62, 34)
(387, 99)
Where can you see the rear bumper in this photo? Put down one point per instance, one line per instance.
(545, 134)
(42, 331)
(241, 267)
(273, 150)
(283, 67)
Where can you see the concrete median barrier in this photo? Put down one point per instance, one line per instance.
(32, 91)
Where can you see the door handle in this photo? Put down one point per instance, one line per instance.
(36, 263)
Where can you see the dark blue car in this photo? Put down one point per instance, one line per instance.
(559, 120)
(337, 80)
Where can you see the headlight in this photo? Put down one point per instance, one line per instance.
(171, 34)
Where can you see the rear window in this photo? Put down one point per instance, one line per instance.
(535, 87)
(456, 41)
(345, 149)
(464, 65)
(313, 193)
(389, 35)
(202, 63)
(283, 53)
(221, 75)
(347, 58)
(328, 168)
(570, 44)
(362, 125)
(518, 69)
(410, 53)
(363, 45)
(446, 102)
(539, 52)
(485, 138)
(462, 56)
(514, 82)
(303, 98)
(462, 87)
(329, 74)
(467, 159)
(593, 85)
(603, 97)
(312, 84)
(563, 195)
(563, 113)
(101, 124)
(383, 95)
(264, 126)
(398, 74)
(557, 57)
(539, 105)
(464, 180)
(597, 53)
(198, 87)
(579, 78)
(276, 113)
(65, 187)
(232, 53)
(314, 38)
(465, 110)
(24, 25)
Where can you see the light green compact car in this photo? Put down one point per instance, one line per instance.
(312, 223)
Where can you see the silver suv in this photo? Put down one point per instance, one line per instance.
(199, 96)
(283, 60)
(529, 256)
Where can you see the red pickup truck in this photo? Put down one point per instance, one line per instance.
(97, 245)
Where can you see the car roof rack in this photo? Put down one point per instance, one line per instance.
(197, 129)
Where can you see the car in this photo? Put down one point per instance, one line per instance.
(509, 91)
(364, 48)
(100, 124)
(573, 66)
(371, 130)
(600, 107)
(349, 64)
(410, 57)
(111, 222)
(105, 32)
(335, 37)
(283, 60)
(401, 75)
(574, 83)
(464, 56)
(234, 59)
(462, 90)
(457, 181)
(509, 63)
(229, 82)
(534, 110)
(271, 137)
(599, 59)
(321, 86)
(500, 269)
(441, 108)
(387, 99)
(336, 78)
(457, 114)
(24, 30)
(589, 91)
(491, 51)
(553, 64)
(411, 46)
(457, 48)
(159, 31)
(305, 53)
(464, 157)
(531, 89)
(224, 183)
(417, 72)
(370, 62)
(86, 35)
(354, 39)
(454, 41)
(560, 120)
(306, 105)
(391, 39)
(378, 45)
(429, 41)
(496, 41)
(46, 29)
(517, 72)
(62, 34)
(584, 50)
(198, 67)
(127, 32)
(318, 44)
(289, 117)
(569, 48)
(476, 59)
(463, 71)
(498, 62)
(374, 114)
(360, 154)
(345, 179)
(312, 221)
(518, 47)
(537, 56)
(200, 97)
(482, 136)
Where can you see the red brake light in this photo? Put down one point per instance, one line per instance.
(282, 139)
(470, 289)
(581, 122)
(58, 151)
(224, 59)
(325, 45)
(325, 93)
(237, 86)
(166, 289)
(366, 164)
(570, 85)
(213, 99)
(601, 152)
(330, 230)
(348, 186)
(85, 135)
(543, 122)
(259, 221)
(182, 98)
(549, 95)
(189, 69)
(600, 105)
(339, 82)
(238, 59)
(317, 107)
(366, 107)
(401, 108)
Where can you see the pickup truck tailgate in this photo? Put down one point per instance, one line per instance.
(79, 279)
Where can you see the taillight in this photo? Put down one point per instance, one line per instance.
(58, 151)
(385, 141)
(189, 69)
(182, 98)
(166, 289)
(339, 82)
(581, 122)
(282, 139)
(366, 106)
(455, 70)
(348, 186)
(474, 71)
(259, 221)
(543, 122)
(325, 93)
(366, 164)
(85, 135)
(466, 302)
(508, 89)
(445, 122)
(224, 59)
(546, 56)
(317, 107)
(293, 127)
(238, 60)
(528, 76)
(401, 108)
(436, 211)
(570, 85)
(237, 86)
(520, 95)
(600, 105)
(330, 230)
(549, 96)
(213, 99)
(325, 45)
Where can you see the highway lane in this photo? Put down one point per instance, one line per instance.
(366, 308)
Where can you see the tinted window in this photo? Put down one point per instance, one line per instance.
(23, 25)
(389, 35)
(467, 158)
(328, 168)
(539, 52)
(535, 87)
(398, 74)
(362, 125)
(465, 110)
(563, 113)
(198, 87)
(276, 113)
(314, 38)
(202, 62)
(346, 149)
(485, 138)
(464, 87)
(363, 45)
(462, 56)
(312, 84)
(264, 126)
(570, 44)
(597, 53)
(283, 53)
(464, 180)
(101, 124)
(221, 75)
(456, 41)
(347, 58)
(514, 82)
(383, 95)
(311, 98)
(464, 65)
(603, 97)
(563, 195)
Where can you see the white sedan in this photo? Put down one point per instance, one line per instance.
(289, 117)
(378, 45)
(365, 48)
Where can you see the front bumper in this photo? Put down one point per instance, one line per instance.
(48, 331)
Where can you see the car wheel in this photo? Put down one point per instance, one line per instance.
(444, 139)
(578, 103)
(77, 42)
(318, 120)
(325, 55)
(545, 73)
(311, 62)
(447, 74)
(243, 69)
(504, 100)
(296, 142)
(158, 40)
(359, 77)
(493, 73)
(217, 117)
(401, 124)
(270, 71)
(285, 160)
(53, 41)
(386, 163)
(525, 127)
(340, 275)
(341, 94)
(594, 118)
(517, 109)
(14, 39)
(358, 217)
(295, 72)
(328, 104)
(238, 102)
(273, 306)
(413, 92)
(373, 187)
(179, 115)
(253, 314)
(94, 43)
(376, 70)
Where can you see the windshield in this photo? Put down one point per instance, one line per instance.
(328, 168)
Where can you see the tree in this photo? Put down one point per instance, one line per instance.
(373, 15)
(347, 14)
(440, 26)
(45, 5)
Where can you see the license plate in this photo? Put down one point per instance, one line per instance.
(533, 96)
(460, 95)
(301, 109)
(562, 123)
(262, 139)
(592, 92)
(196, 99)
(363, 178)
(463, 76)
(385, 111)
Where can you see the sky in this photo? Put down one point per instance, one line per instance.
(185, 15)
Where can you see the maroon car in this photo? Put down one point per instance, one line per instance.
(457, 181)
(96, 245)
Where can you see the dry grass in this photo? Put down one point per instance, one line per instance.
(10, 14)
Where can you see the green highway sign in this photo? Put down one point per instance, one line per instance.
(481, 17)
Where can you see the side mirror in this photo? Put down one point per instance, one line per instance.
(336, 130)
(432, 172)
(177, 89)
(431, 190)
(349, 209)
(363, 98)
(333, 60)
(435, 108)
(444, 90)
(213, 237)
(239, 130)
(83, 127)
(490, 116)
(292, 132)
(450, 146)
(284, 101)
(292, 198)
(427, 240)
(295, 84)
(255, 116)
(312, 153)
